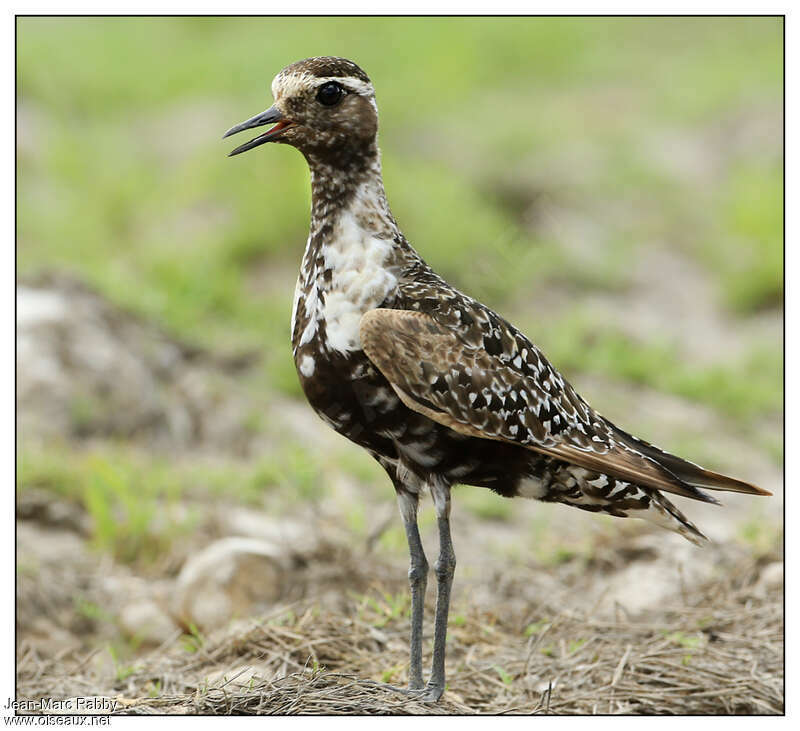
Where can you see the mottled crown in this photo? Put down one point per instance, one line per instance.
(327, 66)
(303, 76)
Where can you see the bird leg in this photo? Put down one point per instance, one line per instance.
(445, 568)
(418, 579)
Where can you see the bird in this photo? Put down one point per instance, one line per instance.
(438, 388)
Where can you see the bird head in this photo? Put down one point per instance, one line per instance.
(325, 107)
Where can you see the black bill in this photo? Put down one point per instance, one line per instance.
(271, 115)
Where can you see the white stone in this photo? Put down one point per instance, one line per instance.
(233, 577)
(145, 621)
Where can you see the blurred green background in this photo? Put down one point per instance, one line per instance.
(612, 185)
(122, 177)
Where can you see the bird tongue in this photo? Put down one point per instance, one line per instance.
(277, 128)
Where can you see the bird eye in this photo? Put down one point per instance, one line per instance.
(330, 94)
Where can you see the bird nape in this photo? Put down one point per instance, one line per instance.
(437, 387)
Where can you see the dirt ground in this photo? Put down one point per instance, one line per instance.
(304, 608)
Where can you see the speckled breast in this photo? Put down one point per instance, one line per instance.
(351, 396)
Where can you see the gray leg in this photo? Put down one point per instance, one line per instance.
(418, 579)
(445, 568)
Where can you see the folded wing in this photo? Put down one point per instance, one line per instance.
(497, 385)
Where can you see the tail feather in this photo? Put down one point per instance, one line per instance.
(663, 513)
(689, 472)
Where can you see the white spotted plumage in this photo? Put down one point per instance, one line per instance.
(307, 365)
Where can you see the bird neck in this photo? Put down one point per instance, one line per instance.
(352, 228)
(354, 256)
(349, 206)
(344, 181)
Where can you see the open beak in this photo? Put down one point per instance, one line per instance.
(272, 114)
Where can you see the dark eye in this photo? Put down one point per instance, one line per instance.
(330, 94)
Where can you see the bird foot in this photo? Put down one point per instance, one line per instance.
(409, 691)
(428, 694)
(432, 693)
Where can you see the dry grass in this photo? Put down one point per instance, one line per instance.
(719, 650)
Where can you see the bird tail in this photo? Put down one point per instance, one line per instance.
(687, 471)
(663, 513)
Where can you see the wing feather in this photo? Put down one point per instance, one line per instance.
(499, 386)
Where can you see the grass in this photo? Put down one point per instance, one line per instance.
(142, 504)
(741, 388)
(385, 609)
(485, 504)
(759, 535)
(131, 500)
(136, 500)
(535, 628)
(753, 221)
